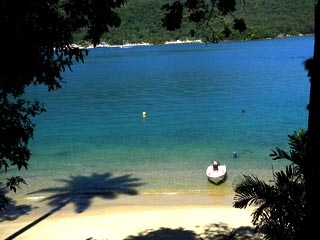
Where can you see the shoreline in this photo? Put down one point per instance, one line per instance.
(173, 42)
(129, 217)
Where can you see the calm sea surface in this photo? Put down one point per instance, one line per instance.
(202, 103)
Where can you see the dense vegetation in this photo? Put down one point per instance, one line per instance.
(141, 22)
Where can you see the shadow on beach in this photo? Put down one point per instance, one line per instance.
(81, 190)
(14, 211)
(165, 233)
(219, 231)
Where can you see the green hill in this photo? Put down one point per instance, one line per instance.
(141, 21)
(279, 17)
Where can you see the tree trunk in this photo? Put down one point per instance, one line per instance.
(312, 165)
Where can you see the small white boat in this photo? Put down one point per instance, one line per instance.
(217, 176)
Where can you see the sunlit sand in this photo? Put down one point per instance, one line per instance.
(166, 216)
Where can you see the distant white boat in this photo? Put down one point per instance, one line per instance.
(217, 176)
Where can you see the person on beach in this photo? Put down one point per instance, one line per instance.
(215, 165)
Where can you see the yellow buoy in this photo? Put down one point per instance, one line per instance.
(144, 114)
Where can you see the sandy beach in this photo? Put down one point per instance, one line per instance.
(168, 216)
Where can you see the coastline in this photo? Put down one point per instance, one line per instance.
(180, 216)
(187, 41)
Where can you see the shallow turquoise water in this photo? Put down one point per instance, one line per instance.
(202, 102)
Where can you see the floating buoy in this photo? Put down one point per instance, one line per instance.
(144, 114)
(234, 154)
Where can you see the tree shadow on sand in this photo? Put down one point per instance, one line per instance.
(219, 231)
(14, 211)
(165, 233)
(80, 191)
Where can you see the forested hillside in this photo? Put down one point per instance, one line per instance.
(141, 21)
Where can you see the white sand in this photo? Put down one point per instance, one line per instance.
(132, 217)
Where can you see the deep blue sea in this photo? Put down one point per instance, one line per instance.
(202, 103)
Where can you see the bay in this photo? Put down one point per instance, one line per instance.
(202, 102)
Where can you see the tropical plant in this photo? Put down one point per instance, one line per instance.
(298, 153)
(280, 206)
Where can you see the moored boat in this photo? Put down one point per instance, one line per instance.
(217, 174)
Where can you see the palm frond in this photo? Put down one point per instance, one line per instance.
(250, 191)
(280, 206)
(298, 140)
(298, 149)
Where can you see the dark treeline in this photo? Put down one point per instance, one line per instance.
(141, 22)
